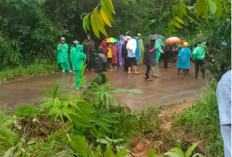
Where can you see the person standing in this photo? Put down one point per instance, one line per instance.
(109, 55)
(223, 94)
(137, 53)
(119, 46)
(101, 65)
(72, 53)
(104, 45)
(167, 49)
(199, 57)
(89, 51)
(184, 60)
(153, 58)
(78, 63)
(147, 60)
(62, 56)
(141, 48)
(114, 55)
(158, 45)
(131, 48)
(125, 54)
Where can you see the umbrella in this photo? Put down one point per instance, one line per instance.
(155, 36)
(173, 40)
(112, 40)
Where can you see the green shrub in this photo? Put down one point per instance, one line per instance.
(202, 119)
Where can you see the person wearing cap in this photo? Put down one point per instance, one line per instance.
(62, 56)
(89, 49)
(73, 53)
(199, 57)
(141, 48)
(79, 58)
(184, 60)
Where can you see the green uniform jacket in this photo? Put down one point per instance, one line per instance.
(199, 52)
(72, 54)
(79, 58)
(62, 56)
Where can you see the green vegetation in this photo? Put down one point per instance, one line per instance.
(39, 67)
(71, 124)
(202, 120)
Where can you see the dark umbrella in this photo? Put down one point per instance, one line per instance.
(154, 37)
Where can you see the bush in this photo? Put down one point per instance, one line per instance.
(38, 67)
(202, 119)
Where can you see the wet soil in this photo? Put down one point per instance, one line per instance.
(168, 134)
(163, 90)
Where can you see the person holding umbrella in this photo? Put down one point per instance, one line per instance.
(153, 39)
(62, 56)
(184, 60)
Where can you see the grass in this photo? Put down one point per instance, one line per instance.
(202, 119)
(38, 67)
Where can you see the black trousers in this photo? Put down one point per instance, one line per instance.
(199, 65)
(126, 64)
(148, 71)
(165, 59)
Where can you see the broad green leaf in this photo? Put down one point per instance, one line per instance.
(205, 10)
(86, 23)
(190, 150)
(107, 11)
(105, 18)
(176, 24)
(198, 155)
(177, 151)
(100, 24)
(219, 8)
(199, 7)
(182, 8)
(125, 1)
(94, 23)
(122, 153)
(109, 5)
(212, 6)
(178, 19)
(150, 153)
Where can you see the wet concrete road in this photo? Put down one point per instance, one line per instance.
(164, 90)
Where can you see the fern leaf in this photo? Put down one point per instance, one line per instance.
(172, 154)
(79, 145)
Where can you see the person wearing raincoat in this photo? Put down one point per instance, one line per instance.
(158, 45)
(119, 46)
(141, 48)
(79, 58)
(89, 49)
(184, 60)
(62, 56)
(137, 53)
(199, 57)
(73, 52)
(114, 55)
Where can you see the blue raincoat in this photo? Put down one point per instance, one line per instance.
(137, 52)
(184, 58)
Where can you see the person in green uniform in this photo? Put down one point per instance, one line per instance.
(89, 50)
(199, 57)
(73, 52)
(158, 45)
(79, 58)
(62, 56)
(141, 48)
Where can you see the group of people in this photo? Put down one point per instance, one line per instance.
(128, 52)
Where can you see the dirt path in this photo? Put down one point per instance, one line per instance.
(164, 90)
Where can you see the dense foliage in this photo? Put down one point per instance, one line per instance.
(202, 119)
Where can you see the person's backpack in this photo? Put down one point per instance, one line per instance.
(100, 64)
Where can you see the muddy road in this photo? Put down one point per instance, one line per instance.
(163, 90)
